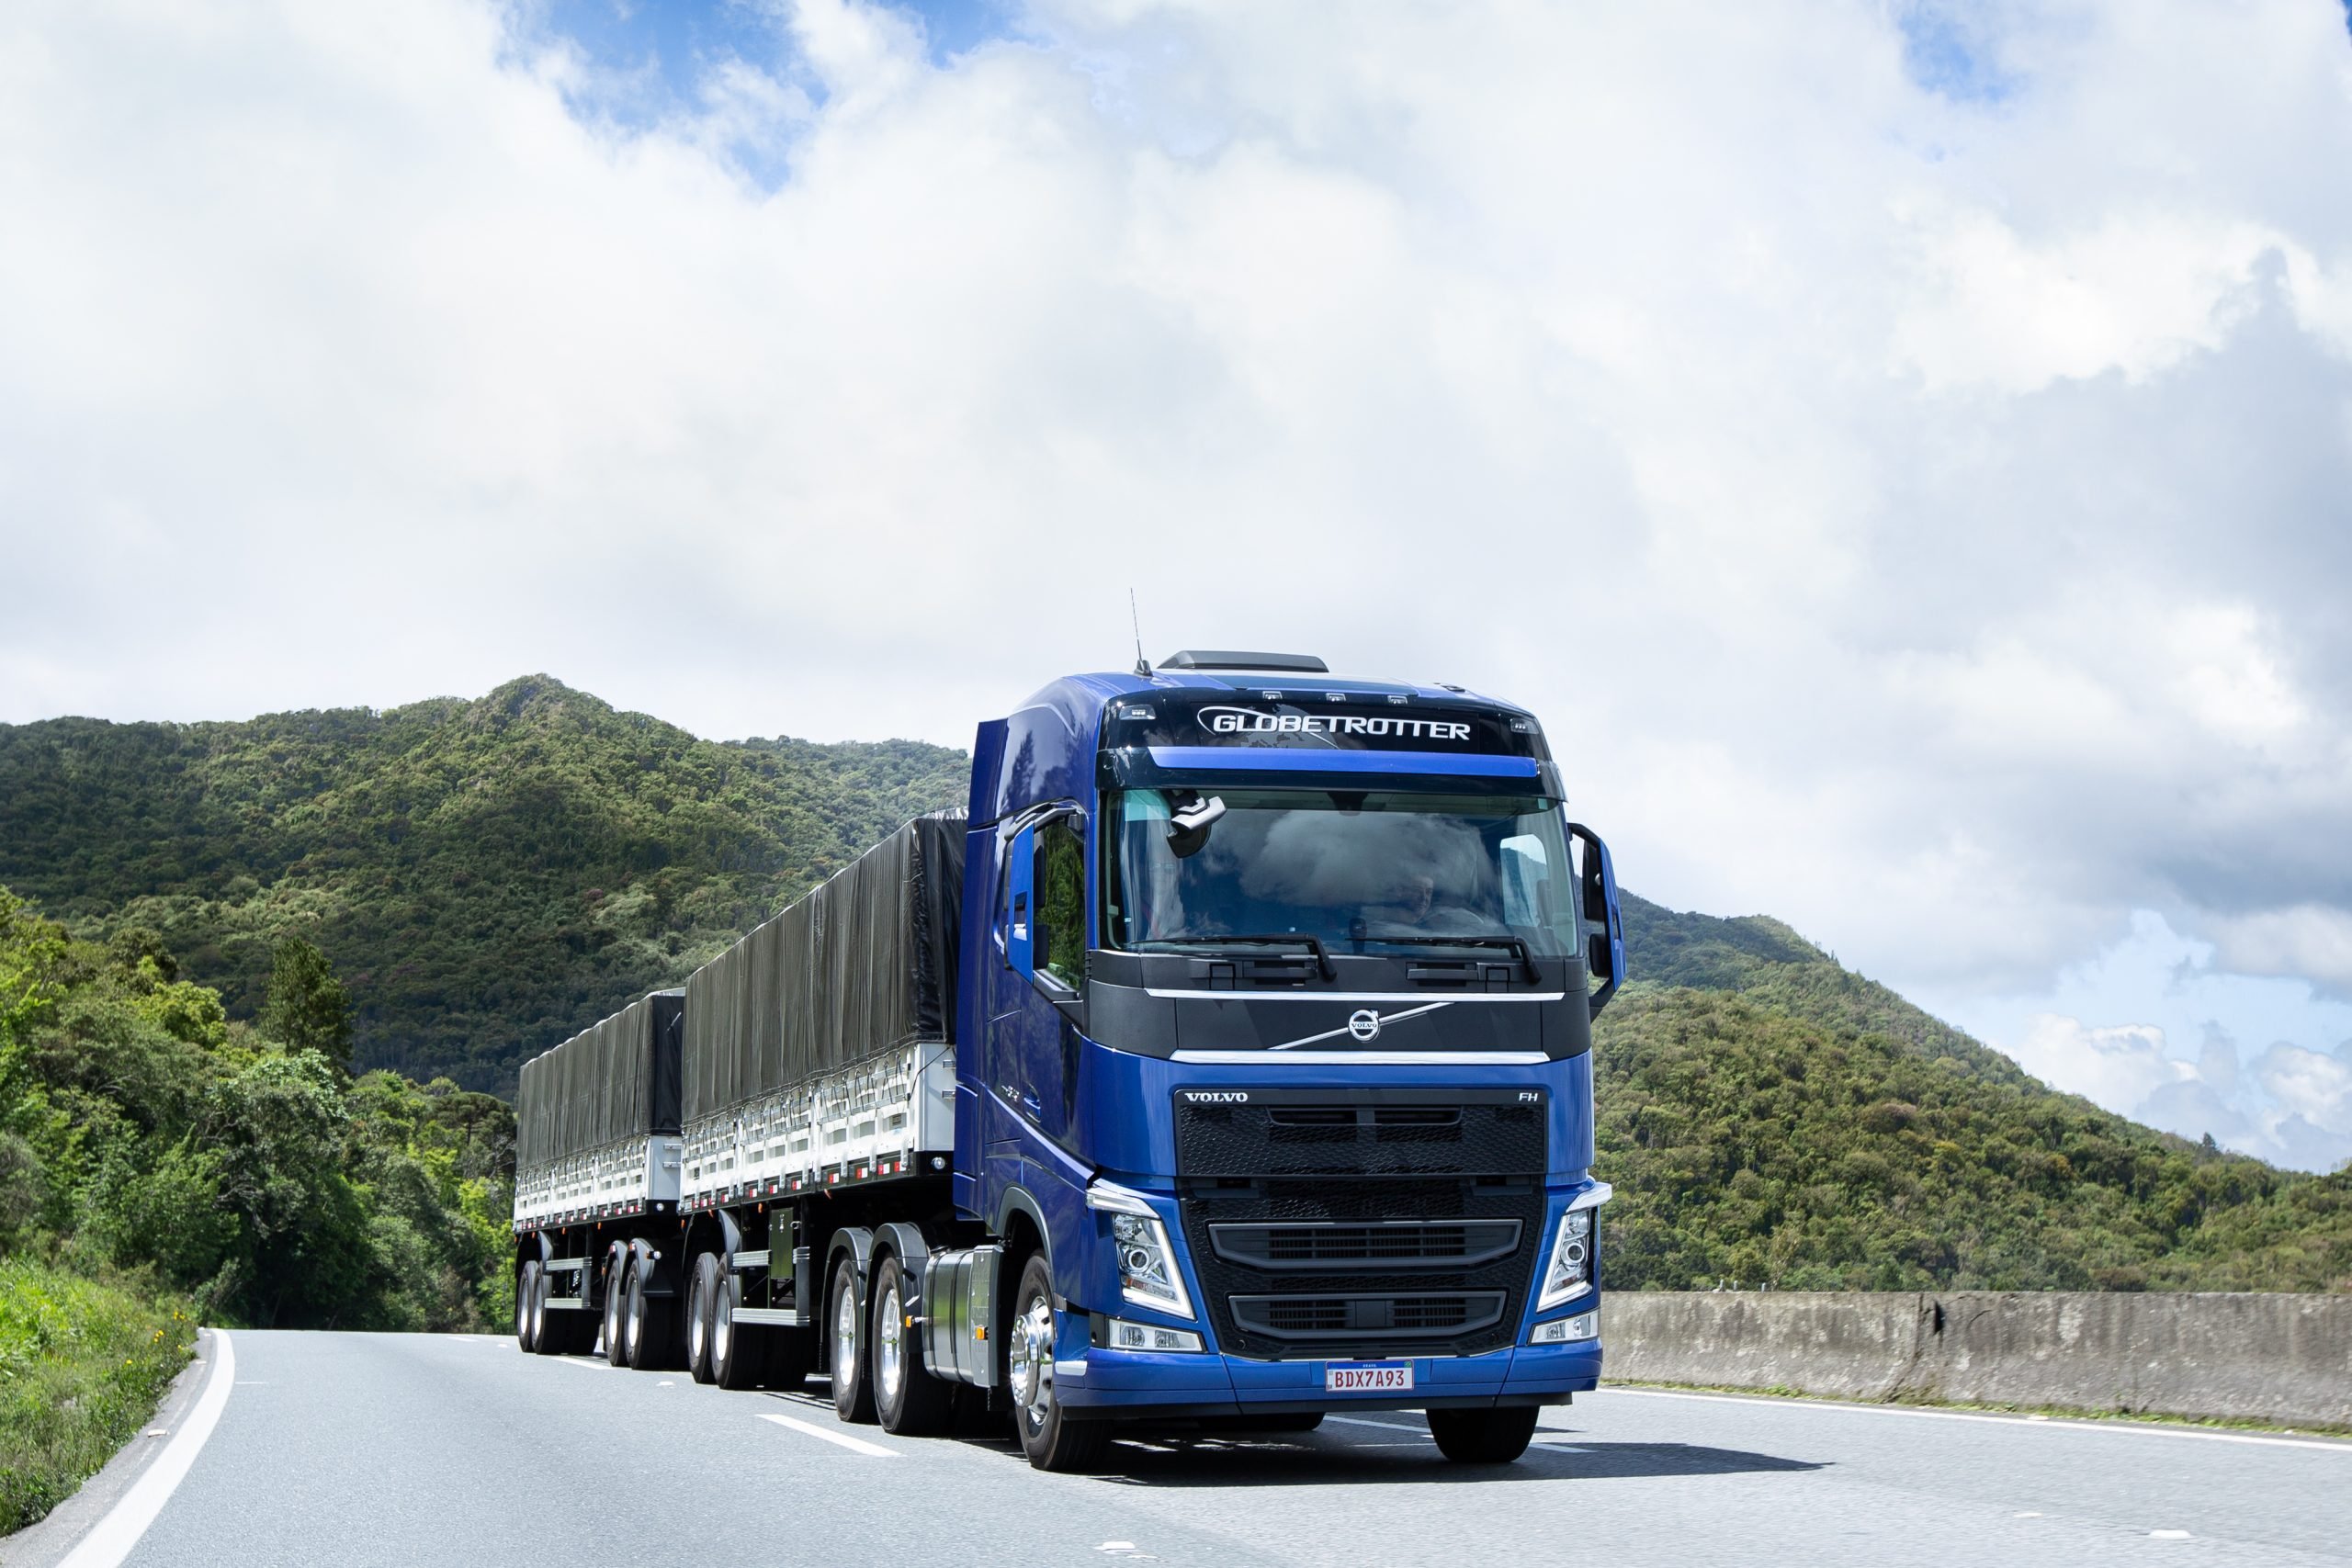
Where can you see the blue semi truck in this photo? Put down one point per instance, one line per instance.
(1225, 1061)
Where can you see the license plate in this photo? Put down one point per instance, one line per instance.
(1365, 1377)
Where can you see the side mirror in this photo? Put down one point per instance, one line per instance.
(1604, 926)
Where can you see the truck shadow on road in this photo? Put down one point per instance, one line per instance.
(1322, 1461)
(1386, 1456)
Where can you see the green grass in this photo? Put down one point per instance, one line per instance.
(83, 1363)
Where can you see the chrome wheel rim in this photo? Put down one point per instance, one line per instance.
(636, 1320)
(700, 1336)
(887, 1368)
(844, 1336)
(615, 1288)
(722, 1326)
(1032, 1355)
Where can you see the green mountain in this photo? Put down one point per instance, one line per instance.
(1769, 1118)
(488, 877)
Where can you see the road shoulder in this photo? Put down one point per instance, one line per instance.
(48, 1542)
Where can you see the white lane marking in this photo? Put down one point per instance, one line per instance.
(2168, 1535)
(591, 1366)
(855, 1445)
(1383, 1425)
(110, 1540)
(2136, 1428)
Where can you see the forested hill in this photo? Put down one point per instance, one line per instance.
(486, 877)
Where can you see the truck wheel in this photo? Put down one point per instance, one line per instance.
(650, 1327)
(853, 1390)
(1483, 1437)
(740, 1354)
(617, 1272)
(908, 1398)
(526, 1290)
(1051, 1437)
(699, 1309)
(546, 1327)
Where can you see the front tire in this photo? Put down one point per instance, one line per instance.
(908, 1398)
(1051, 1437)
(1483, 1437)
(852, 1389)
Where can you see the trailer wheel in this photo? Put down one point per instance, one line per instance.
(548, 1333)
(906, 1398)
(1050, 1436)
(699, 1303)
(651, 1327)
(741, 1355)
(526, 1290)
(617, 1272)
(852, 1389)
(1483, 1437)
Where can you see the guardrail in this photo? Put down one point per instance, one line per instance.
(2282, 1359)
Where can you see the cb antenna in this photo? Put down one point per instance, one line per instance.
(1143, 665)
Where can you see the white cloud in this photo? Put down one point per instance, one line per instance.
(2307, 939)
(2120, 1066)
(1919, 519)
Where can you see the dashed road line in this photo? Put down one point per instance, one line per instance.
(855, 1445)
(1383, 1425)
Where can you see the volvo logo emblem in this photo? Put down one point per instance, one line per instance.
(1364, 1025)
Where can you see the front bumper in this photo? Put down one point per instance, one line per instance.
(1139, 1383)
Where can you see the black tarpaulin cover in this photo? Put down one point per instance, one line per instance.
(863, 965)
(613, 1080)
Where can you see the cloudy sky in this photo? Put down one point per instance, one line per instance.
(1903, 448)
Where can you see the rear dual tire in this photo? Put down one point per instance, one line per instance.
(907, 1398)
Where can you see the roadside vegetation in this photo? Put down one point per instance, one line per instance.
(143, 1132)
(83, 1362)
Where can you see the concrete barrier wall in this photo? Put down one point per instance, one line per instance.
(2286, 1359)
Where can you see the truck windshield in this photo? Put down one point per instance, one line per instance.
(1363, 871)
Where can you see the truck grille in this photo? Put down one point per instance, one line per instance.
(1368, 1133)
(1421, 1315)
(1393, 1244)
(1353, 1224)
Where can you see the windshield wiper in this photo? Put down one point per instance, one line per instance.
(1294, 939)
(1512, 943)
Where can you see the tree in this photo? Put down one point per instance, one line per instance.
(308, 1007)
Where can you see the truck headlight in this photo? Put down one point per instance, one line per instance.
(1147, 1275)
(1570, 1269)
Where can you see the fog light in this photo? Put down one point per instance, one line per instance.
(1122, 1335)
(1560, 1330)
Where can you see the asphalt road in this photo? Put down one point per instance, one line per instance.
(350, 1448)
